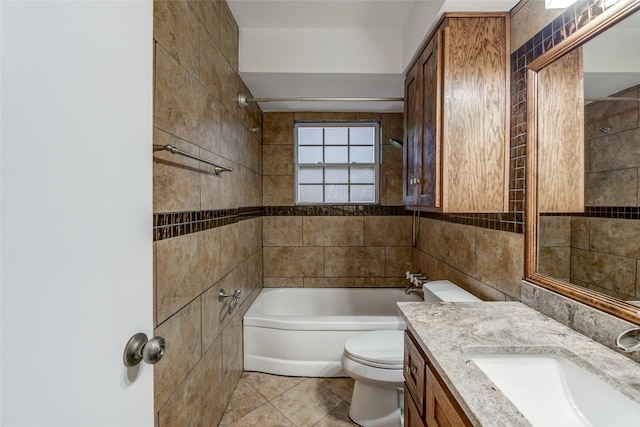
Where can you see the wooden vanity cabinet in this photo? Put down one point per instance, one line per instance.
(427, 400)
(456, 156)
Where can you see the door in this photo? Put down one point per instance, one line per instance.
(76, 212)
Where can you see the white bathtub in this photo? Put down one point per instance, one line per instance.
(302, 331)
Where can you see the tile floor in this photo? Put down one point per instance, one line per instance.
(264, 400)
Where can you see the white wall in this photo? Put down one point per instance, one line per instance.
(76, 211)
(320, 50)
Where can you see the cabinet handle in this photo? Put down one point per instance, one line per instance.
(417, 180)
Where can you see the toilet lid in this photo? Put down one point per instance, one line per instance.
(383, 349)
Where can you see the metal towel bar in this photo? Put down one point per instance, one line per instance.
(218, 169)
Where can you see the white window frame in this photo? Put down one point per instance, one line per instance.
(322, 165)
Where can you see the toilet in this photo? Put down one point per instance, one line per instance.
(375, 359)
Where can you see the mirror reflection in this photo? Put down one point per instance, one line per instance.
(599, 249)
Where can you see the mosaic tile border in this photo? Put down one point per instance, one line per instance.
(336, 210)
(175, 224)
(512, 222)
(611, 212)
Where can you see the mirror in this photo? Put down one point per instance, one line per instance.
(583, 181)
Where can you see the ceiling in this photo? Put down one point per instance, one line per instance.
(336, 48)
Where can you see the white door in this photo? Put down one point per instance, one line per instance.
(76, 211)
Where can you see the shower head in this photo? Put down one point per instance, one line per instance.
(396, 142)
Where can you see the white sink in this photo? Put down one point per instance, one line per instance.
(551, 390)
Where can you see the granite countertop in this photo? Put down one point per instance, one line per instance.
(450, 333)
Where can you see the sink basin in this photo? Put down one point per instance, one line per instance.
(551, 390)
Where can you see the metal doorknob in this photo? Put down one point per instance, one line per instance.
(140, 348)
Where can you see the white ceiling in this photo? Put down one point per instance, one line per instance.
(336, 48)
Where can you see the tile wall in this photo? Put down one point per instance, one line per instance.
(335, 246)
(207, 236)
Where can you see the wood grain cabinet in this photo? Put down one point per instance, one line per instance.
(456, 156)
(427, 400)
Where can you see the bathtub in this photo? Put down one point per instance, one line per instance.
(302, 331)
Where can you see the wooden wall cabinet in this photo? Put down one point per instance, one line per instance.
(456, 156)
(427, 400)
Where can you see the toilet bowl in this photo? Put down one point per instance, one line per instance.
(375, 359)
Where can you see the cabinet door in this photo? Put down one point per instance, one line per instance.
(412, 417)
(413, 137)
(441, 408)
(430, 74)
(475, 119)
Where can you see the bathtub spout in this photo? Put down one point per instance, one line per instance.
(413, 290)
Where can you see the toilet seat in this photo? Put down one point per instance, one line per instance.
(379, 349)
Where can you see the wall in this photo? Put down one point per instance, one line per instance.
(332, 246)
(207, 234)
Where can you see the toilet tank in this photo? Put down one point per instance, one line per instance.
(445, 291)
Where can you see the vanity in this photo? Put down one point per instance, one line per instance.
(498, 364)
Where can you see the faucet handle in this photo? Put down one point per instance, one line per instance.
(629, 340)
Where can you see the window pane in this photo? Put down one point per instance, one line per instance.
(309, 154)
(336, 175)
(310, 193)
(362, 193)
(336, 136)
(335, 155)
(309, 136)
(336, 193)
(363, 175)
(362, 136)
(310, 175)
(361, 154)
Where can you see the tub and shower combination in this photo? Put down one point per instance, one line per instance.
(302, 331)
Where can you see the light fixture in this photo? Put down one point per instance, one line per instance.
(558, 4)
(396, 143)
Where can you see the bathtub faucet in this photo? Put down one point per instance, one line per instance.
(416, 280)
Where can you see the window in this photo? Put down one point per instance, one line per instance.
(337, 163)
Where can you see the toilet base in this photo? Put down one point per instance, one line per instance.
(375, 406)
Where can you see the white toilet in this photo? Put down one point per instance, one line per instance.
(374, 360)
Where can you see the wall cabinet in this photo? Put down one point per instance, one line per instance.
(427, 400)
(456, 156)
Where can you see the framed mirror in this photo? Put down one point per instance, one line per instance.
(583, 164)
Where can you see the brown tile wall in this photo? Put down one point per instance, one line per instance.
(336, 251)
(488, 263)
(201, 246)
(612, 159)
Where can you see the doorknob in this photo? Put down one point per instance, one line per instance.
(140, 348)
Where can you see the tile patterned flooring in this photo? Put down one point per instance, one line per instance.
(264, 400)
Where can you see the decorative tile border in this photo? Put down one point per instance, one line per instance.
(175, 224)
(611, 212)
(512, 221)
(335, 210)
